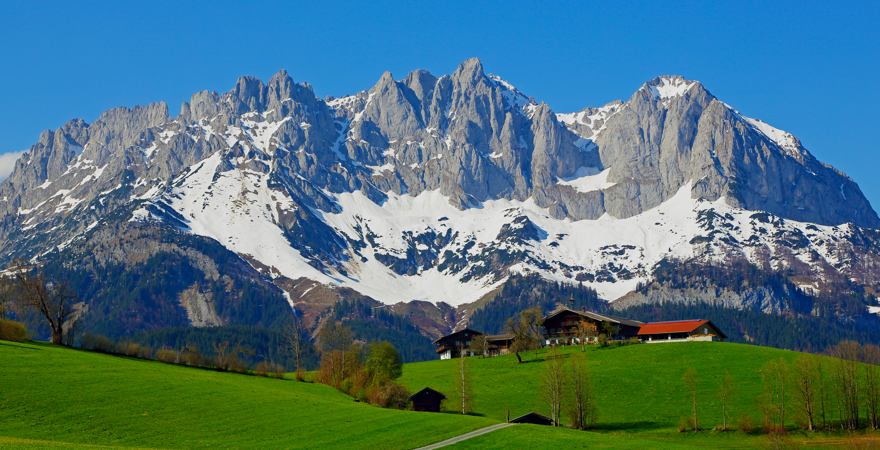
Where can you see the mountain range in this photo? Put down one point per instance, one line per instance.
(425, 198)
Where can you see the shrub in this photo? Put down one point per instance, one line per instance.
(11, 330)
(98, 343)
(192, 357)
(236, 365)
(745, 424)
(168, 355)
(388, 395)
(268, 369)
(602, 340)
(133, 349)
(683, 424)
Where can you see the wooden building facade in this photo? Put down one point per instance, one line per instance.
(427, 400)
(499, 344)
(566, 326)
(456, 344)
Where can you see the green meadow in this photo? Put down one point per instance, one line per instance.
(640, 393)
(58, 397)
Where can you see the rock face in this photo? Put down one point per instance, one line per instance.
(437, 188)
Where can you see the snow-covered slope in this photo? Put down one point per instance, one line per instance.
(439, 189)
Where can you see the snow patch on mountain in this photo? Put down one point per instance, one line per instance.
(513, 96)
(592, 119)
(239, 210)
(669, 87)
(785, 140)
(588, 179)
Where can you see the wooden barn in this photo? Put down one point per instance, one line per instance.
(453, 345)
(680, 331)
(562, 326)
(427, 400)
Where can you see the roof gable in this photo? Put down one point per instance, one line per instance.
(427, 393)
(590, 315)
(457, 334)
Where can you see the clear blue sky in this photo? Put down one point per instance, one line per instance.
(811, 68)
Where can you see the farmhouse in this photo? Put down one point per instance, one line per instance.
(499, 344)
(567, 326)
(427, 400)
(456, 344)
(680, 331)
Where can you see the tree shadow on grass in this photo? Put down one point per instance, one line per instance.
(19, 345)
(457, 413)
(628, 426)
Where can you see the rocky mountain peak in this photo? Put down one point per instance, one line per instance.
(469, 72)
(666, 87)
(438, 187)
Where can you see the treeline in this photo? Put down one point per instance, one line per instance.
(371, 321)
(257, 344)
(522, 292)
(794, 332)
(841, 297)
(223, 355)
(817, 394)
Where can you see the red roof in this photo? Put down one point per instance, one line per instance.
(677, 326)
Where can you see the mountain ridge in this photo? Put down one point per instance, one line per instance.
(438, 189)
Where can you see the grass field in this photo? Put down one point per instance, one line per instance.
(57, 397)
(51, 396)
(640, 393)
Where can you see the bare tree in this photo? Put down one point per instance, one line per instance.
(553, 384)
(846, 381)
(480, 345)
(221, 355)
(6, 294)
(296, 335)
(52, 300)
(463, 385)
(871, 354)
(822, 401)
(336, 337)
(582, 403)
(526, 331)
(690, 383)
(774, 375)
(806, 381)
(725, 393)
(585, 331)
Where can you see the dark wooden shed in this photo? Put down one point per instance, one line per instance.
(533, 418)
(427, 400)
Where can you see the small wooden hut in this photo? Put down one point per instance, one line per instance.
(427, 400)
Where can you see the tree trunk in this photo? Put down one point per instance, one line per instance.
(57, 335)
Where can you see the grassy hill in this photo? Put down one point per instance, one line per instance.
(52, 396)
(637, 386)
(640, 393)
(55, 396)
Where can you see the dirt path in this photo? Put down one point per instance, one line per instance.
(466, 436)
